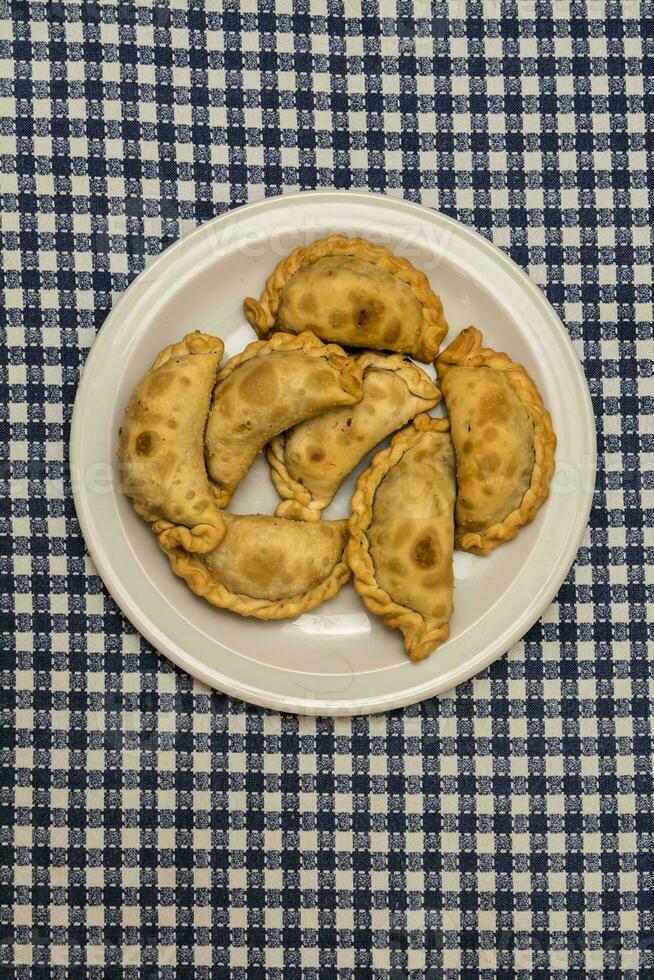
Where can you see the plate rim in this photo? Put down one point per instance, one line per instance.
(316, 706)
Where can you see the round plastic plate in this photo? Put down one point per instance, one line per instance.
(338, 659)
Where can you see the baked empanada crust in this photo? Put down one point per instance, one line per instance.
(270, 387)
(309, 462)
(289, 567)
(410, 547)
(466, 352)
(161, 444)
(417, 332)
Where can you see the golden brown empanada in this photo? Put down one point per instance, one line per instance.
(161, 446)
(309, 463)
(267, 567)
(503, 440)
(269, 387)
(402, 534)
(355, 293)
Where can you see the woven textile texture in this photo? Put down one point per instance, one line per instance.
(152, 828)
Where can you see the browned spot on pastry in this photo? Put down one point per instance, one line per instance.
(511, 465)
(471, 386)
(487, 464)
(184, 380)
(308, 303)
(316, 454)
(493, 461)
(490, 434)
(467, 446)
(335, 318)
(259, 384)
(190, 494)
(366, 312)
(200, 505)
(402, 533)
(395, 565)
(160, 382)
(172, 424)
(268, 562)
(322, 378)
(146, 443)
(370, 409)
(425, 552)
(392, 331)
(494, 407)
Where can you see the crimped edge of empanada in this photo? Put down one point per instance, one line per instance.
(422, 634)
(199, 580)
(195, 342)
(309, 344)
(297, 502)
(262, 313)
(198, 539)
(350, 373)
(466, 351)
(201, 537)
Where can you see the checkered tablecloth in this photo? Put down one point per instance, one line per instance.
(153, 828)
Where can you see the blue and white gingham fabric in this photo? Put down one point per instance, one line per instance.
(152, 828)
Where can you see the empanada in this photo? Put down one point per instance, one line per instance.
(267, 567)
(161, 446)
(503, 440)
(402, 534)
(352, 292)
(269, 387)
(309, 463)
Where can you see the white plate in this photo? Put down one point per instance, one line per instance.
(338, 659)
